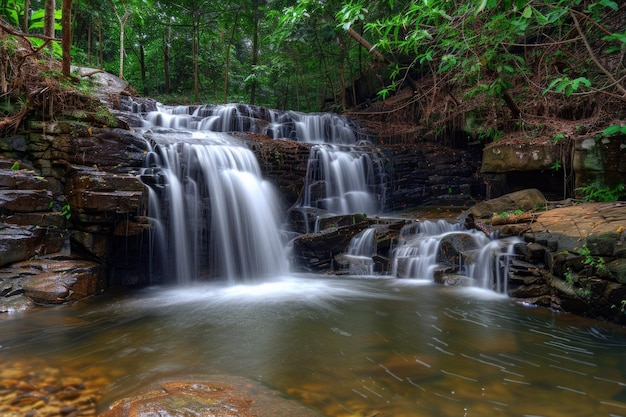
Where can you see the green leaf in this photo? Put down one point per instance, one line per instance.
(609, 3)
(528, 12)
(611, 130)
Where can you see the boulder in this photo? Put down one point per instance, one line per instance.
(315, 251)
(216, 396)
(530, 199)
(56, 281)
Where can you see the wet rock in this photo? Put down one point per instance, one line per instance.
(217, 396)
(453, 245)
(617, 268)
(91, 190)
(22, 201)
(56, 281)
(21, 180)
(18, 243)
(315, 251)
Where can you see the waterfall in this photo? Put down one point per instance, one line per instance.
(416, 255)
(214, 213)
(490, 268)
(360, 251)
(350, 172)
(342, 180)
(429, 246)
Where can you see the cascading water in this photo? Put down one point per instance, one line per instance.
(491, 266)
(416, 256)
(347, 177)
(362, 248)
(215, 213)
(429, 245)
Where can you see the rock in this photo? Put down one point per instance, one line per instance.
(602, 245)
(23, 201)
(315, 251)
(507, 157)
(18, 243)
(524, 200)
(21, 180)
(56, 281)
(216, 396)
(617, 268)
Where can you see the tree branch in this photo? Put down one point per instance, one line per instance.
(593, 56)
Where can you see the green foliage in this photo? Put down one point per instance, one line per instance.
(505, 214)
(566, 86)
(589, 260)
(11, 11)
(15, 166)
(580, 291)
(598, 192)
(613, 130)
(65, 210)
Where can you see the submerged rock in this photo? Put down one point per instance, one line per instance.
(215, 396)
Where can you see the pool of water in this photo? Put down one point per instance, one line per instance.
(344, 346)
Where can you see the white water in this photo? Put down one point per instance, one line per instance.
(490, 269)
(488, 263)
(362, 248)
(346, 175)
(216, 214)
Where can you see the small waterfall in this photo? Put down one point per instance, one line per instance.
(362, 248)
(490, 268)
(214, 212)
(343, 180)
(429, 246)
(416, 256)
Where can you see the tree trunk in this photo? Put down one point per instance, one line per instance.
(230, 43)
(25, 23)
(100, 42)
(195, 48)
(66, 42)
(48, 25)
(142, 65)
(89, 40)
(365, 44)
(122, 21)
(255, 53)
(166, 56)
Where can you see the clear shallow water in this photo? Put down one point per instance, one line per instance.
(347, 347)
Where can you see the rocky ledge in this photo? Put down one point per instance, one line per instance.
(570, 257)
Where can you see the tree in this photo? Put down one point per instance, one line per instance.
(66, 43)
(48, 29)
(122, 20)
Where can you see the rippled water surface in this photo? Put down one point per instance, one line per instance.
(347, 347)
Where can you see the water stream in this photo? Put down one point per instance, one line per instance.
(346, 347)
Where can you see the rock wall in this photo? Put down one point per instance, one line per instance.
(558, 169)
(70, 198)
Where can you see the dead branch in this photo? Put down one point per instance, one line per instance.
(594, 58)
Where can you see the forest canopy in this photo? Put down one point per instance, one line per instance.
(486, 66)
